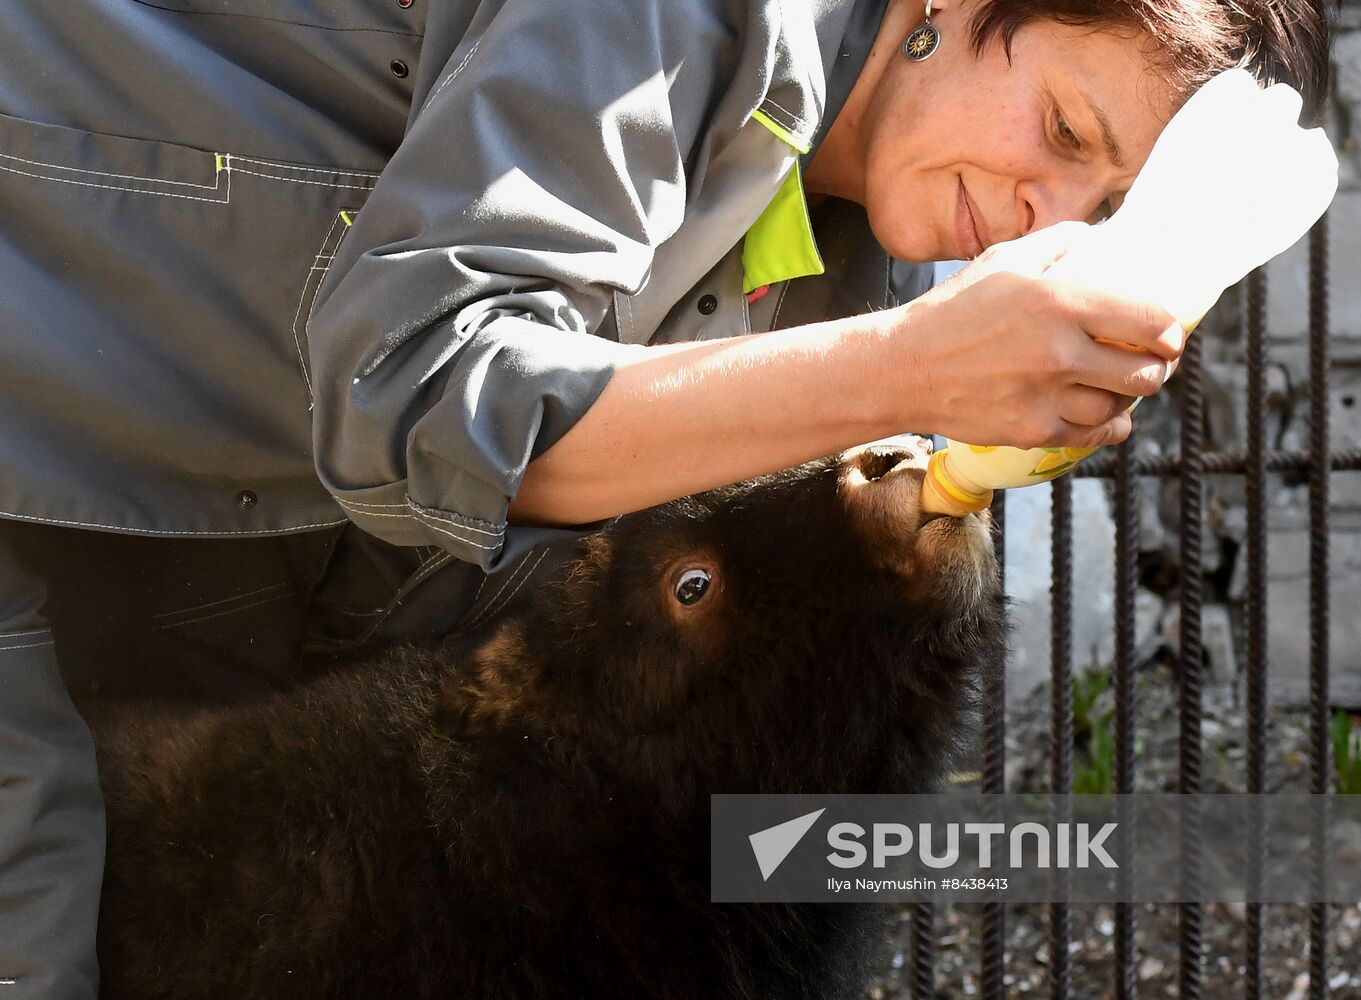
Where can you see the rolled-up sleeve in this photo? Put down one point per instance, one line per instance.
(458, 333)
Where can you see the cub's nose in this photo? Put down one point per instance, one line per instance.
(874, 461)
(881, 483)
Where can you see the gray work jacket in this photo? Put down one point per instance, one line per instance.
(266, 265)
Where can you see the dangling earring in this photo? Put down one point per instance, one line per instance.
(924, 40)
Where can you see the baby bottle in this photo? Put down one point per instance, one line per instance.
(1232, 181)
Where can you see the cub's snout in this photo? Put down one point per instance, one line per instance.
(881, 484)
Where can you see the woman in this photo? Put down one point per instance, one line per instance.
(570, 212)
(969, 147)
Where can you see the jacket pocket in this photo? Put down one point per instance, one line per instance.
(167, 289)
(112, 163)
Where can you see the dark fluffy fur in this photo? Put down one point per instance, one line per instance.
(523, 812)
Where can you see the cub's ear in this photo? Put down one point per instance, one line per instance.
(491, 689)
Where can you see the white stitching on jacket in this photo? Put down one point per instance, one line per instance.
(370, 513)
(378, 506)
(454, 519)
(30, 645)
(101, 173)
(227, 161)
(299, 180)
(430, 521)
(324, 171)
(633, 322)
(621, 305)
(173, 534)
(298, 318)
(795, 119)
(122, 187)
(410, 507)
(450, 78)
(465, 541)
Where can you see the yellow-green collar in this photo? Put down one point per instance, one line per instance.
(780, 244)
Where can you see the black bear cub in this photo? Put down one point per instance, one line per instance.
(523, 810)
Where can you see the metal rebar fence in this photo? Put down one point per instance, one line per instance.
(1191, 467)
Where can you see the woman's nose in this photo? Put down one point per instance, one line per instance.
(1039, 212)
(1045, 204)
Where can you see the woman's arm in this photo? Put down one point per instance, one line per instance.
(454, 338)
(688, 417)
(997, 356)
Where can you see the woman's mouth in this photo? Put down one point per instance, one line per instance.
(966, 227)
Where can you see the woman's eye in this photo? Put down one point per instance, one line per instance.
(1066, 133)
(692, 586)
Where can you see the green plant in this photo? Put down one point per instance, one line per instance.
(1088, 687)
(1094, 767)
(1346, 735)
(1094, 774)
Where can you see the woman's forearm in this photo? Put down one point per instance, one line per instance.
(996, 355)
(689, 417)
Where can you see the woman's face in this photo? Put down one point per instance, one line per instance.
(961, 152)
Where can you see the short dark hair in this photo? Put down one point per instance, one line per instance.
(1279, 41)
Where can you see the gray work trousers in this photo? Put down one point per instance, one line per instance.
(51, 812)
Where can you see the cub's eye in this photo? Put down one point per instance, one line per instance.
(692, 585)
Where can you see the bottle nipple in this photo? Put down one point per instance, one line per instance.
(945, 491)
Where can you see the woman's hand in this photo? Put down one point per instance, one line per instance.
(1001, 356)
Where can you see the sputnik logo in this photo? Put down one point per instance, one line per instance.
(773, 844)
